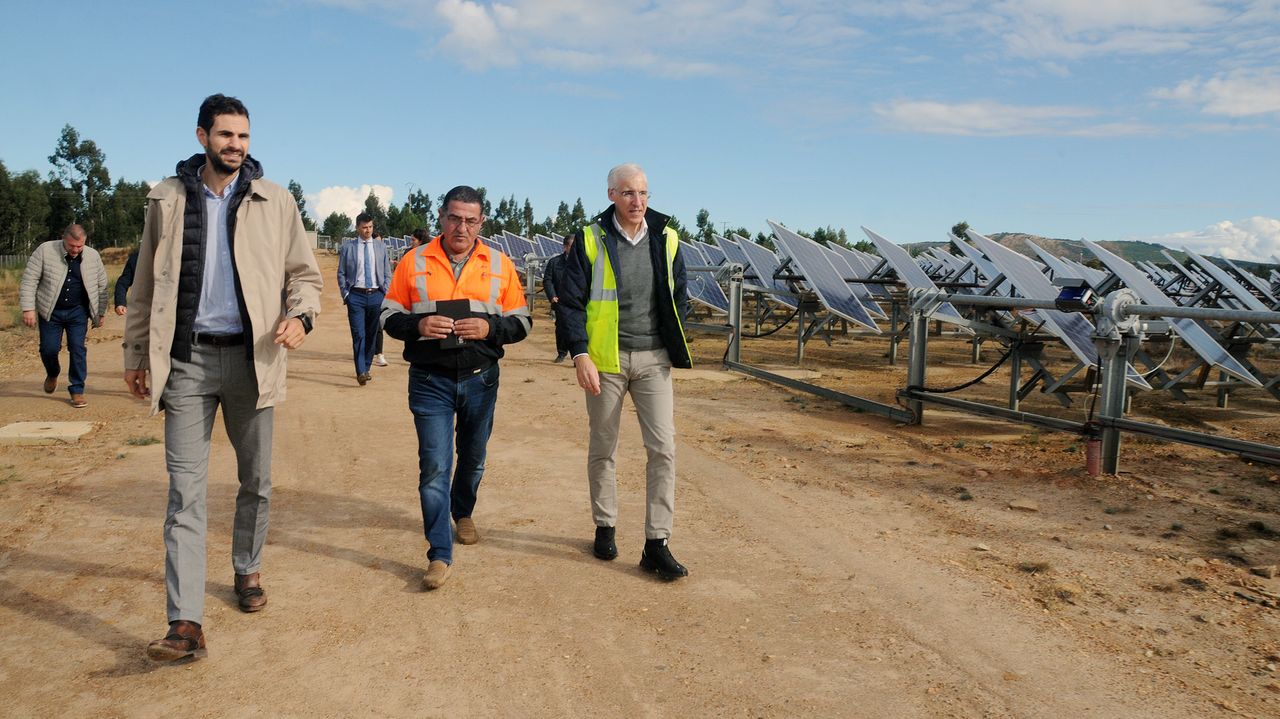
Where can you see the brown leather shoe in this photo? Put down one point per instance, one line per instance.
(249, 592)
(467, 532)
(437, 573)
(185, 639)
(77, 401)
(50, 384)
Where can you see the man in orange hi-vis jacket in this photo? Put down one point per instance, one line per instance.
(456, 302)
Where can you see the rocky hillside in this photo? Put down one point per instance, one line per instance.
(1131, 251)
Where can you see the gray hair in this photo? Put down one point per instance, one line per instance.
(622, 172)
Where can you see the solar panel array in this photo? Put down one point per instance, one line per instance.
(1195, 335)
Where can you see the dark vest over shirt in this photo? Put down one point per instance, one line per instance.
(191, 274)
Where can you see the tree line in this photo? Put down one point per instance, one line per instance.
(517, 218)
(79, 189)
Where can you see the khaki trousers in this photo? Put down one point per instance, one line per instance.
(646, 376)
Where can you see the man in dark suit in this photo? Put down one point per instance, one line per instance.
(364, 273)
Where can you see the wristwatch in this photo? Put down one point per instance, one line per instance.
(306, 323)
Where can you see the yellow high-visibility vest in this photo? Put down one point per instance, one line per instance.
(602, 302)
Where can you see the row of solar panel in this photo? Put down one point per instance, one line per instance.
(849, 284)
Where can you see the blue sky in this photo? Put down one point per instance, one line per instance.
(1105, 119)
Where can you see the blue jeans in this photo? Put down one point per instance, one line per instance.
(363, 311)
(75, 322)
(435, 402)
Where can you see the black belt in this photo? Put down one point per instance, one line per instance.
(454, 374)
(366, 290)
(204, 338)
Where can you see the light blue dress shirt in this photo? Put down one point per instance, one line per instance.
(219, 313)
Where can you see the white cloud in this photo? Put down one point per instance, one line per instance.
(1256, 239)
(1239, 93)
(347, 200)
(988, 118)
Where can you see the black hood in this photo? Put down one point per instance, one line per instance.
(188, 170)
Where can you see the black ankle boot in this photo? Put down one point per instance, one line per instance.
(604, 547)
(657, 559)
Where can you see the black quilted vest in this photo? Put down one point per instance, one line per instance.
(191, 275)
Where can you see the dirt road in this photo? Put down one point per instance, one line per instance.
(835, 568)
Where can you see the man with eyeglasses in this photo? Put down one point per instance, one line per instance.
(456, 303)
(623, 301)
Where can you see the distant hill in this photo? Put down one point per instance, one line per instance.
(1074, 249)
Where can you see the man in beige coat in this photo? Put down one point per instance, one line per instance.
(226, 282)
(63, 289)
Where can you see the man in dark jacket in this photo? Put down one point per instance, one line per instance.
(551, 282)
(623, 301)
(125, 282)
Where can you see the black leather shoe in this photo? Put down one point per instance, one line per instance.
(604, 547)
(656, 558)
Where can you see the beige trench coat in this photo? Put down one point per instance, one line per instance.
(274, 261)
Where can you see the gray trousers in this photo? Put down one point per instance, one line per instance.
(214, 376)
(646, 376)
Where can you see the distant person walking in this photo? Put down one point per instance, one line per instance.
(623, 301)
(456, 303)
(226, 282)
(63, 290)
(552, 280)
(124, 282)
(364, 272)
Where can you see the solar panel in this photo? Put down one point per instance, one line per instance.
(1197, 338)
(518, 247)
(714, 255)
(859, 290)
(862, 264)
(828, 284)
(701, 284)
(547, 247)
(1252, 281)
(1242, 296)
(1057, 266)
(1026, 278)
(733, 253)
(496, 241)
(909, 272)
(764, 264)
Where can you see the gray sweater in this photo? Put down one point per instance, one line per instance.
(47, 270)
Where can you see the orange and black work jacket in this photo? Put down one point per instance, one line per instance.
(489, 281)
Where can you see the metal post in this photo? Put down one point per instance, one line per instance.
(894, 317)
(528, 285)
(734, 353)
(919, 343)
(1015, 375)
(1114, 353)
(799, 332)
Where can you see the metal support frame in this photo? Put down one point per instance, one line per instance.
(1118, 338)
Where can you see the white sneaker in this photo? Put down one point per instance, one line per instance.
(379, 361)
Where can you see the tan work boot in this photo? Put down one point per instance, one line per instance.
(437, 573)
(467, 533)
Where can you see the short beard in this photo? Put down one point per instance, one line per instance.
(219, 166)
